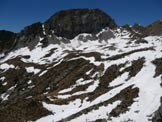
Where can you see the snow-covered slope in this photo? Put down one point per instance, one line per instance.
(116, 79)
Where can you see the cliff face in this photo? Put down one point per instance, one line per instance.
(32, 30)
(70, 23)
(7, 39)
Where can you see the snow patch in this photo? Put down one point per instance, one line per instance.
(32, 69)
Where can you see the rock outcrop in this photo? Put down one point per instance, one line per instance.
(154, 29)
(70, 23)
(6, 40)
(32, 30)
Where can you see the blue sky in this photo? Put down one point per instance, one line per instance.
(16, 14)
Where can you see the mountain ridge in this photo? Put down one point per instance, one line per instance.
(113, 75)
(38, 28)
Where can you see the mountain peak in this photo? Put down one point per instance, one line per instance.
(70, 23)
(113, 75)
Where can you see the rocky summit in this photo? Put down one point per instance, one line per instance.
(79, 66)
(70, 23)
